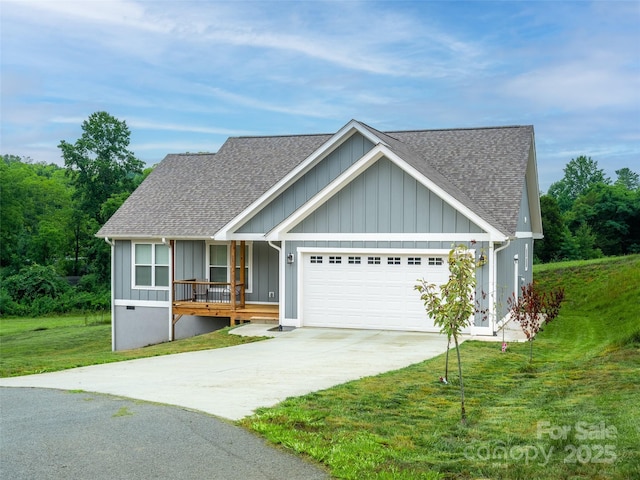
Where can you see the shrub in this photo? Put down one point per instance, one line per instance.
(34, 282)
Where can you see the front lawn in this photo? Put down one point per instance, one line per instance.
(47, 344)
(573, 413)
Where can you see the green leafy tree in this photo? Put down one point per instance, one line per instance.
(100, 162)
(628, 179)
(612, 214)
(35, 214)
(550, 247)
(580, 174)
(102, 168)
(452, 305)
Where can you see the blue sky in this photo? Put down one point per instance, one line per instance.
(186, 75)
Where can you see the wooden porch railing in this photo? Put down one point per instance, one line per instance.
(193, 290)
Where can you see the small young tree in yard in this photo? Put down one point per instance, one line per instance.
(452, 305)
(535, 308)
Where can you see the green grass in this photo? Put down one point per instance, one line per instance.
(48, 344)
(406, 425)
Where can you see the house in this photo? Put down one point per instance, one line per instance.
(322, 230)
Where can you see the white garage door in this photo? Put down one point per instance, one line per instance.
(369, 291)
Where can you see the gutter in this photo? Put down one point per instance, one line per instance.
(494, 289)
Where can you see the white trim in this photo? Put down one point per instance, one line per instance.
(390, 237)
(112, 244)
(142, 303)
(375, 154)
(379, 251)
(524, 234)
(320, 153)
(171, 290)
(326, 193)
(301, 251)
(153, 266)
(481, 331)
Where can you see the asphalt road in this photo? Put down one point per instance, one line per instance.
(53, 434)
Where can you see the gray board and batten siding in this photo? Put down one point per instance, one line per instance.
(190, 263)
(309, 185)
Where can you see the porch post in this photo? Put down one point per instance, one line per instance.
(232, 294)
(243, 280)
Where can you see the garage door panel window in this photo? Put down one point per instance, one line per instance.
(333, 259)
(436, 261)
(414, 261)
(393, 260)
(373, 260)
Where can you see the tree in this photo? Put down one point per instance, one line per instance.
(100, 163)
(612, 214)
(533, 309)
(550, 247)
(628, 179)
(579, 175)
(452, 305)
(35, 214)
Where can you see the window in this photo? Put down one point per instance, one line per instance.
(393, 260)
(150, 265)
(436, 261)
(354, 260)
(316, 258)
(373, 260)
(220, 259)
(335, 259)
(414, 261)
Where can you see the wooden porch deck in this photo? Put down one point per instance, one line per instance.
(236, 314)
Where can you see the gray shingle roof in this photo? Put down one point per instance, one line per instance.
(194, 195)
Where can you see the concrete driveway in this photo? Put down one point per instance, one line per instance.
(232, 382)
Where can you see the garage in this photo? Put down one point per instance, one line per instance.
(369, 290)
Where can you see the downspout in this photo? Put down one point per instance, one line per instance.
(171, 287)
(112, 244)
(494, 289)
(281, 281)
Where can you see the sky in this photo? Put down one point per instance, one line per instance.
(186, 75)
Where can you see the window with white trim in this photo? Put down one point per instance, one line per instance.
(393, 260)
(436, 261)
(219, 256)
(414, 261)
(355, 260)
(316, 258)
(373, 260)
(333, 259)
(150, 265)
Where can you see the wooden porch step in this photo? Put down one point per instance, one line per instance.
(265, 320)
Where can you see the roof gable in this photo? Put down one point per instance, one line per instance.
(481, 171)
(384, 198)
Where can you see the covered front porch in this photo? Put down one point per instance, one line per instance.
(204, 298)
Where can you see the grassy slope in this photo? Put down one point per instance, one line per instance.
(405, 424)
(36, 345)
